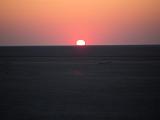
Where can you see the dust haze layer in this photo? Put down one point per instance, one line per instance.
(61, 22)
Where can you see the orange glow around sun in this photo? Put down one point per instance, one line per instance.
(63, 22)
(80, 42)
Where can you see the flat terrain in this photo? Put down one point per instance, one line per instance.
(80, 88)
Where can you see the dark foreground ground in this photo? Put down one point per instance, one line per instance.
(80, 88)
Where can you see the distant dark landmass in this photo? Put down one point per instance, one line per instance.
(81, 51)
(80, 82)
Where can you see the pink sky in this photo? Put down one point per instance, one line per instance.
(62, 22)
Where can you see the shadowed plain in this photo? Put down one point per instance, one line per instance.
(96, 87)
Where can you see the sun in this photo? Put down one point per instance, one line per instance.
(81, 42)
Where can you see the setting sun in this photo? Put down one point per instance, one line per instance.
(81, 42)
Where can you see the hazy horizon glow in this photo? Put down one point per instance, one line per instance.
(63, 22)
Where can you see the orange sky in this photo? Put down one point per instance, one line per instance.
(62, 22)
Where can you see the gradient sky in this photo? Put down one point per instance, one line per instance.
(62, 22)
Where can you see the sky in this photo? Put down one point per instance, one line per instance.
(62, 22)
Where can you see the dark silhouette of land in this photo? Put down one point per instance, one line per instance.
(80, 82)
